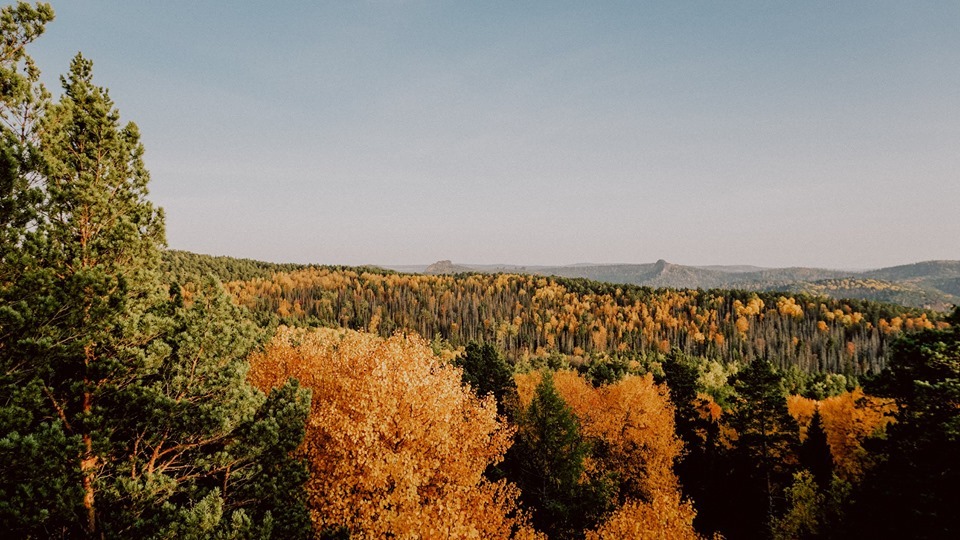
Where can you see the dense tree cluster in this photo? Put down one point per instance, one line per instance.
(631, 457)
(124, 409)
(912, 492)
(827, 468)
(397, 446)
(532, 316)
(183, 267)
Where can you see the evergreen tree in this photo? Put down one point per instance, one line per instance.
(547, 464)
(815, 452)
(912, 492)
(603, 369)
(485, 370)
(767, 439)
(204, 442)
(681, 376)
(699, 469)
(124, 409)
(22, 100)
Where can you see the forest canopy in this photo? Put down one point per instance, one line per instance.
(532, 317)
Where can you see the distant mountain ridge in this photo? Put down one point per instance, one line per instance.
(928, 284)
(931, 285)
(446, 267)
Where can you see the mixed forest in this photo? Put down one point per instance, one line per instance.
(153, 393)
(928, 284)
(533, 317)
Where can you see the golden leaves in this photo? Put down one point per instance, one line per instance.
(753, 308)
(788, 306)
(848, 419)
(633, 418)
(665, 517)
(396, 445)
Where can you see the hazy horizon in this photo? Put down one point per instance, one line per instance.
(390, 265)
(539, 134)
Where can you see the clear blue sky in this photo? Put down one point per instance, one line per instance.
(400, 132)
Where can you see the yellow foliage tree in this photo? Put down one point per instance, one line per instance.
(848, 419)
(802, 518)
(527, 386)
(802, 409)
(396, 445)
(665, 517)
(633, 420)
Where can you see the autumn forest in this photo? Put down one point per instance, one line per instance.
(147, 392)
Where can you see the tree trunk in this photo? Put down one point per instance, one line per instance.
(87, 466)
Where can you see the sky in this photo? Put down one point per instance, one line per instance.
(404, 132)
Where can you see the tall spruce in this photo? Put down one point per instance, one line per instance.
(767, 441)
(699, 468)
(681, 375)
(547, 462)
(124, 409)
(485, 370)
(815, 453)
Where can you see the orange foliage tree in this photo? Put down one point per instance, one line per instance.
(665, 517)
(802, 409)
(396, 445)
(632, 420)
(848, 419)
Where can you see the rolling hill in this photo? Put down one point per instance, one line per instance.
(931, 284)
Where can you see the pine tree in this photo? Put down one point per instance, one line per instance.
(697, 469)
(547, 464)
(124, 409)
(815, 453)
(485, 370)
(912, 492)
(767, 439)
(22, 100)
(681, 375)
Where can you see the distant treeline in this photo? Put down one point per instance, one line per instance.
(533, 316)
(184, 267)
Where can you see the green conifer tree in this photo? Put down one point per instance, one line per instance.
(681, 376)
(767, 440)
(547, 464)
(485, 370)
(815, 453)
(912, 492)
(698, 470)
(124, 409)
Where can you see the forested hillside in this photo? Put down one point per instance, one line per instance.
(532, 316)
(892, 292)
(931, 284)
(183, 267)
